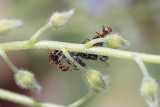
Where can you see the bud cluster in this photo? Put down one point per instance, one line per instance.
(115, 41)
(58, 20)
(95, 80)
(7, 25)
(26, 80)
(149, 90)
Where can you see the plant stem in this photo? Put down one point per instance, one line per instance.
(141, 66)
(82, 100)
(25, 100)
(10, 64)
(21, 45)
(37, 34)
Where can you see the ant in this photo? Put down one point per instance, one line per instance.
(56, 55)
(53, 57)
(106, 31)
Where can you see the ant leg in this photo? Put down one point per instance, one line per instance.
(60, 58)
(103, 28)
(49, 57)
(58, 52)
(100, 36)
(85, 40)
(98, 33)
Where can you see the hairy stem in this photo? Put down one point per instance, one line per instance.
(82, 100)
(25, 100)
(10, 64)
(21, 45)
(141, 66)
(37, 34)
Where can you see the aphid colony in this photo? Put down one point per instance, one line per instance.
(56, 55)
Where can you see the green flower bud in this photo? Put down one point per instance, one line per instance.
(7, 25)
(95, 80)
(115, 41)
(58, 20)
(149, 90)
(26, 80)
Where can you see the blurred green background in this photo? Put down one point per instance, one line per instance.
(136, 20)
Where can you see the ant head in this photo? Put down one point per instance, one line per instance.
(107, 30)
(53, 52)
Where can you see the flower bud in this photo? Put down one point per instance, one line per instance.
(115, 41)
(58, 20)
(149, 90)
(7, 25)
(26, 80)
(95, 80)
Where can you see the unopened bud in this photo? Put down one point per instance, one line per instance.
(26, 80)
(149, 90)
(115, 41)
(7, 25)
(95, 80)
(58, 19)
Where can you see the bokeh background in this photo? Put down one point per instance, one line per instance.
(136, 20)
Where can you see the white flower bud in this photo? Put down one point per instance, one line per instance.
(149, 90)
(115, 41)
(7, 25)
(26, 80)
(58, 20)
(95, 80)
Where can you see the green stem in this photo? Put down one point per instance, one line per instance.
(37, 34)
(82, 100)
(141, 66)
(10, 64)
(21, 45)
(25, 100)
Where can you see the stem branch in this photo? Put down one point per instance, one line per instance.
(141, 66)
(21, 45)
(10, 64)
(37, 34)
(25, 100)
(82, 100)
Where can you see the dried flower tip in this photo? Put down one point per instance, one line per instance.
(7, 25)
(149, 90)
(115, 41)
(26, 80)
(95, 80)
(58, 20)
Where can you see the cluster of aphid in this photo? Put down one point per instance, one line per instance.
(56, 55)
